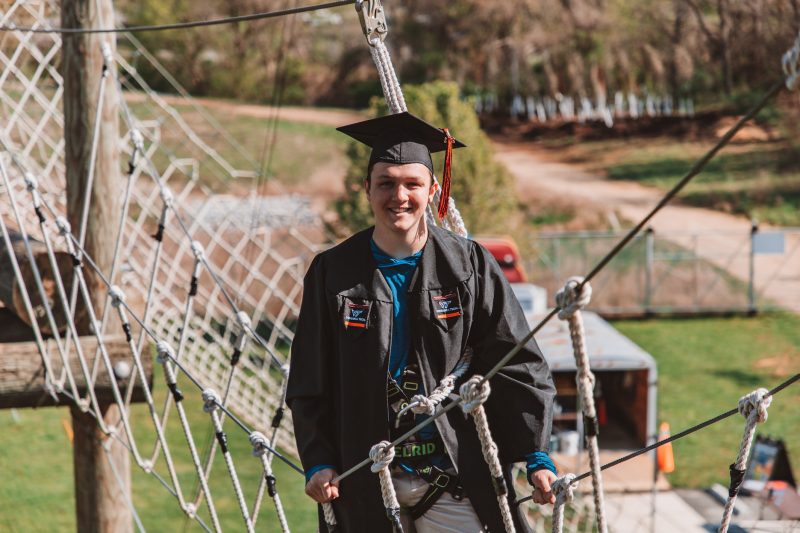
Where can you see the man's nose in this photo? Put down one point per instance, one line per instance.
(400, 193)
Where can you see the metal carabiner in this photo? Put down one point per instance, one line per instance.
(373, 19)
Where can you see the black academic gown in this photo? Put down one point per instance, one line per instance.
(340, 354)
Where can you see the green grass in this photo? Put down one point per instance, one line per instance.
(36, 464)
(704, 367)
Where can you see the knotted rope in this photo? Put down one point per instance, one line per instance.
(261, 447)
(791, 65)
(753, 407)
(474, 395)
(382, 455)
(421, 404)
(564, 491)
(570, 300)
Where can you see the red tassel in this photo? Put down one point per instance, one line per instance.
(444, 199)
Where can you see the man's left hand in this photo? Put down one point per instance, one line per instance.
(542, 486)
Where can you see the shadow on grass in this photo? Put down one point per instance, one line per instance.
(740, 377)
(774, 160)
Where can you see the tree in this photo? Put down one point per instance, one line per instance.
(482, 188)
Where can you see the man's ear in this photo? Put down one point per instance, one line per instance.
(366, 185)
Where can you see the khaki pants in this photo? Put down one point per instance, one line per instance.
(447, 515)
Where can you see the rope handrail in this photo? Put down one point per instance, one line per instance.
(184, 25)
(694, 171)
(697, 427)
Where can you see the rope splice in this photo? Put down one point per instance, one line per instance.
(473, 396)
(753, 407)
(382, 455)
(574, 296)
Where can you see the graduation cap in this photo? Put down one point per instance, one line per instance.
(403, 138)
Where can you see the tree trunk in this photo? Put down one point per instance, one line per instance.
(102, 464)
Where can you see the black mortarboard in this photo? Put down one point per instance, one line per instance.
(403, 138)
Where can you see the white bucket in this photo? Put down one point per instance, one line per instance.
(568, 442)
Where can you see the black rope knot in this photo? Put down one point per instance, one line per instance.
(176, 393)
(222, 438)
(193, 287)
(126, 327)
(393, 514)
(39, 214)
(276, 420)
(499, 484)
(159, 234)
(272, 490)
(591, 427)
(737, 476)
(235, 356)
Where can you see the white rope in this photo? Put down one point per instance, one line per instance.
(382, 455)
(212, 402)
(473, 397)
(261, 449)
(164, 356)
(570, 303)
(421, 404)
(753, 407)
(564, 491)
(791, 65)
(330, 517)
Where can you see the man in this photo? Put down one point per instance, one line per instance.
(387, 314)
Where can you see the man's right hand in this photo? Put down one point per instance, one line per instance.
(320, 488)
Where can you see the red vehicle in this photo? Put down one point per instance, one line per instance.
(505, 251)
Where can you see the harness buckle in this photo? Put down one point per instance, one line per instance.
(442, 481)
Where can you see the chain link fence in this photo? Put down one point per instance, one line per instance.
(702, 272)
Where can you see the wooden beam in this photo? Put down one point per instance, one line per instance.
(102, 465)
(22, 382)
(11, 291)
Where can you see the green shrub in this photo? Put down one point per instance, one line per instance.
(482, 188)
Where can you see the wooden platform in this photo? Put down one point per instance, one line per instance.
(635, 475)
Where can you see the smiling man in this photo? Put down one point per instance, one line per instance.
(386, 315)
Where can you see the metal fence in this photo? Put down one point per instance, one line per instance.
(699, 272)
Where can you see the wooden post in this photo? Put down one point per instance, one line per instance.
(101, 503)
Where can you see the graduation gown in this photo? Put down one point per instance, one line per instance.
(458, 297)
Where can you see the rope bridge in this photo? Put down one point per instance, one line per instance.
(164, 261)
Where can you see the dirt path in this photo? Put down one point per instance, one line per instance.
(311, 115)
(725, 237)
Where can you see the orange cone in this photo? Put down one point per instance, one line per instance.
(666, 460)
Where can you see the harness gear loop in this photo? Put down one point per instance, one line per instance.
(373, 19)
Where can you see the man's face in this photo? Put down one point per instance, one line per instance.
(399, 195)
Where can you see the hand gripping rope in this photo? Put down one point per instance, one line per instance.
(564, 491)
(574, 296)
(753, 407)
(382, 455)
(474, 395)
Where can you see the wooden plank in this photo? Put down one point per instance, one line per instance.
(22, 382)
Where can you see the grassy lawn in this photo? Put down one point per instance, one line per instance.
(36, 464)
(757, 179)
(704, 367)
